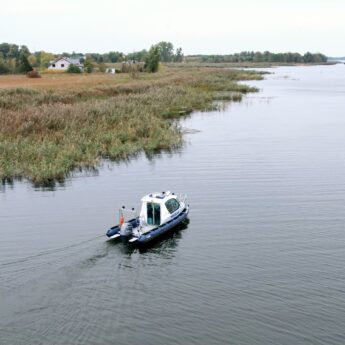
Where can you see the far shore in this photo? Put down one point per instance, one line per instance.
(249, 64)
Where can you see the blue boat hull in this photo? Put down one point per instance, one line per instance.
(163, 229)
(116, 229)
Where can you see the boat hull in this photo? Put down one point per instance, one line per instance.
(163, 229)
(114, 232)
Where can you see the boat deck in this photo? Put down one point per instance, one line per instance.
(147, 228)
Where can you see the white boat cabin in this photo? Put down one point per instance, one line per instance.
(158, 208)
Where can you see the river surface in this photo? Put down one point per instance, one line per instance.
(262, 260)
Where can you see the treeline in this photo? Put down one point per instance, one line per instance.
(19, 59)
(14, 59)
(167, 53)
(250, 56)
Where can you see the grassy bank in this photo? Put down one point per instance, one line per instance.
(49, 129)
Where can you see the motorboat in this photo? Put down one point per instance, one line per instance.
(160, 213)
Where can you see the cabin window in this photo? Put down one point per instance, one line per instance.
(62, 65)
(53, 64)
(172, 205)
(153, 214)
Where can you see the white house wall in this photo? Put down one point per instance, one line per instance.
(60, 65)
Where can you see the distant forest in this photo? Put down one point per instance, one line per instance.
(250, 56)
(19, 59)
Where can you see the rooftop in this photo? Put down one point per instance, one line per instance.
(158, 196)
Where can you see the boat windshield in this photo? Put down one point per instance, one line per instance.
(172, 205)
(153, 214)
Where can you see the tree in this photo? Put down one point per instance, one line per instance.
(88, 65)
(4, 69)
(114, 57)
(24, 50)
(179, 55)
(257, 57)
(4, 50)
(13, 51)
(45, 59)
(23, 65)
(32, 60)
(137, 56)
(308, 57)
(166, 50)
(152, 59)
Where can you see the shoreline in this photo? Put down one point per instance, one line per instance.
(46, 133)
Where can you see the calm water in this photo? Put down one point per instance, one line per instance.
(261, 262)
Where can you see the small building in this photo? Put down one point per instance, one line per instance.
(110, 70)
(63, 63)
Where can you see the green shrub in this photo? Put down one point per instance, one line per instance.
(88, 66)
(73, 69)
(152, 59)
(102, 67)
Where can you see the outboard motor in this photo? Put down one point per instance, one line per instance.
(126, 230)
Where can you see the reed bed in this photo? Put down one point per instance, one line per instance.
(47, 133)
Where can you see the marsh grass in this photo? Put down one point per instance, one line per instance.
(46, 134)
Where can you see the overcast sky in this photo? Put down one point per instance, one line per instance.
(198, 26)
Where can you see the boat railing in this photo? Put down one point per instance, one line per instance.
(127, 213)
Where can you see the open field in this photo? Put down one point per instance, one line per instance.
(50, 81)
(62, 80)
(51, 126)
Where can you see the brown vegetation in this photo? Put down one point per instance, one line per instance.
(33, 74)
(53, 125)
